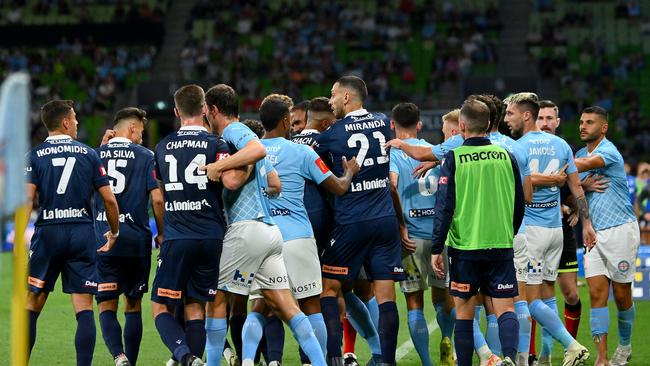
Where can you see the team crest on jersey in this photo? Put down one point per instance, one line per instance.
(443, 180)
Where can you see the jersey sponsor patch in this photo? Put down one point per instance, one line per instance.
(335, 270)
(321, 165)
(102, 171)
(33, 281)
(443, 180)
(221, 156)
(111, 286)
(460, 287)
(163, 292)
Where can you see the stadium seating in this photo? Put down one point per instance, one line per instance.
(404, 48)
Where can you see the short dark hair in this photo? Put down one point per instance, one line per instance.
(476, 115)
(491, 106)
(319, 104)
(54, 111)
(597, 110)
(272, 112)
(225, 98)
(303, 106)
(501, 110)
(547, 104)
(128, 113)
(355, 83)
(255, 126)
(189, 100)
(406, 115)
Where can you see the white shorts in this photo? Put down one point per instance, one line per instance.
(418, 270)
(521, 257)
(303, 266)
(614, 255)
(544, 252)
(252, 253)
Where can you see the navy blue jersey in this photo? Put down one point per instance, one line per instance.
(193, 207)
(131, 174)
(65, 172)
(315, 198)
(364, 135)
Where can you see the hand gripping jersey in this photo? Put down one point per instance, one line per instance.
(193, 208)
(547, 154)
(294, 163)
(451, 143)
(364, 135)
(520, 155)
(418, 195)
(249, 202)
(611, 207)
(65, 172)
(131, 174)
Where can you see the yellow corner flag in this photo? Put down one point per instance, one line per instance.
(14, 123)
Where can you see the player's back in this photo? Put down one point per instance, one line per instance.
(547, 154)
(131, 173)
(65, 172)
(193, 207)
(611, 207)
(295, 164)
(315, 199)
(364, 135)
(417, 195)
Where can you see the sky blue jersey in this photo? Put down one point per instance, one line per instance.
(547, 154)
(418, 195)
(250, 201)
(611, 207)
(294, 163)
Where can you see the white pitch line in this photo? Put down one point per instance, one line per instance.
(407, 346)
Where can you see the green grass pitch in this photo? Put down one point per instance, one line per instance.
(56, 327)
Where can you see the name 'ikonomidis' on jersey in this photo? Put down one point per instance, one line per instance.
(131, 174)
(364, 135)
(77, 171)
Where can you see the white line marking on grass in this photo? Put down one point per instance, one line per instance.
(407, 346)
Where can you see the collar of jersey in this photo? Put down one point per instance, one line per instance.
(358, 112)
(119, 139)
(58, 137)
(308, 130)
(193, 128)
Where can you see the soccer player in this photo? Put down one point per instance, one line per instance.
(188, 264)
(253, 243)
(299, 117)
(547, 154)
(295, 163)
(320, 117)
(497, 112)
(548, 120)
(613, 258)
(479, 208)
(366, 231)
(414, 200)
(125, 269)
(63, 174)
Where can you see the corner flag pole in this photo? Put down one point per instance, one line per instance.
(19, 326)
(14, 123)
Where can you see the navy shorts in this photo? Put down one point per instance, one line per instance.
(374, 244)
(569, 258)
(187, 268)
(322, 223)
(495, 278)
(122, 275)
(68, 249)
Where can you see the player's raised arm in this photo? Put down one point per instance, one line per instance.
(252, 152)
(419, 153)
(557, 179)
(336, 185)
(234, 178)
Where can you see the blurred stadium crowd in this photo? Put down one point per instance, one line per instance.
(405, 49)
